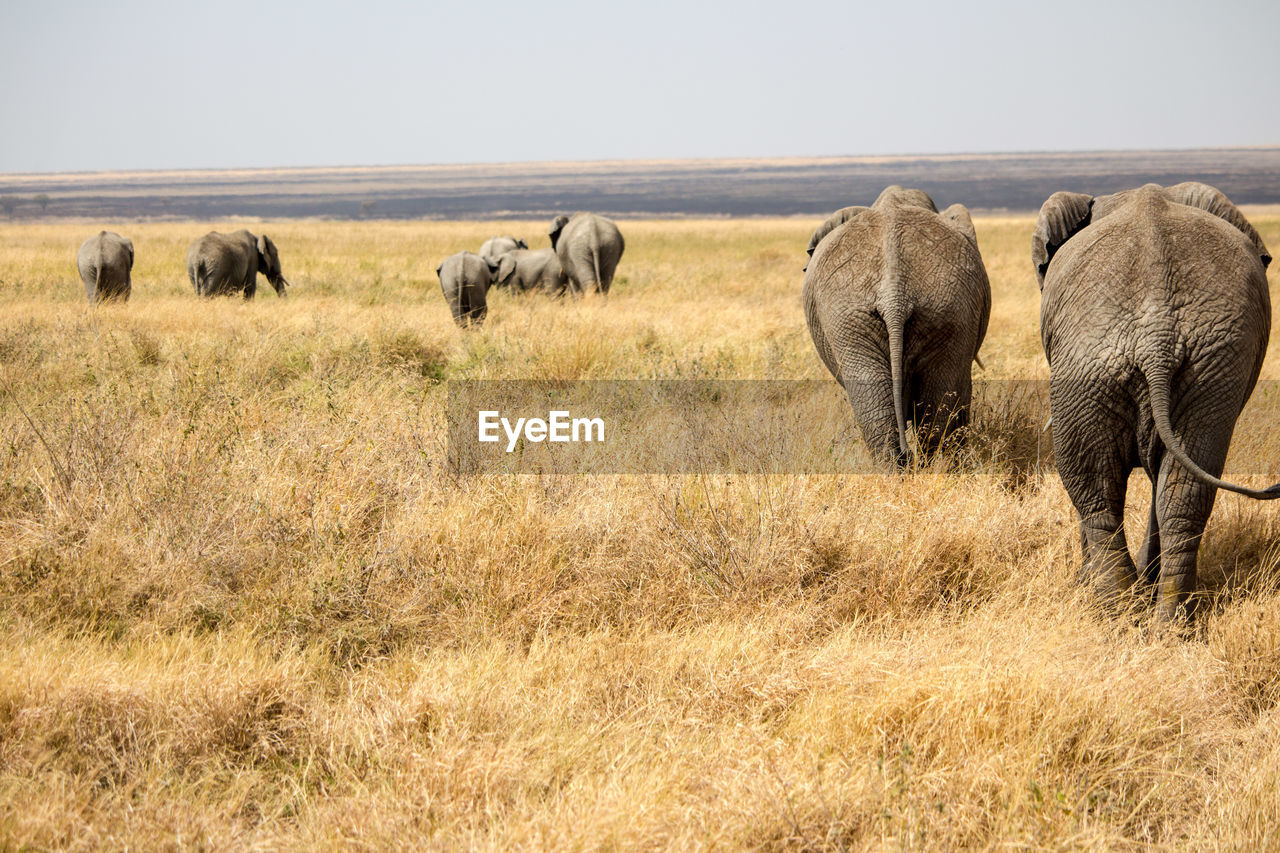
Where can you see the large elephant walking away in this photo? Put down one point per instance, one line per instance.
(495, 247)
(897, 301)
(1154, 316)
(589, 248)
(221, 264)
(105, 262)
(527, 269)
(465, 279)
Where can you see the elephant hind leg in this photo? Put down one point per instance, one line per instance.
(1183, 505)
(1107, 564)
(871, 397)
(1094, 463)
(941, 409)
(1183, 510)
(608, 266)
(473, 301)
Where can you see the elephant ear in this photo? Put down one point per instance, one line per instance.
(833, 222)
(1061, 216)
(557, 225)
(506, 268)
(438, 269)
(265, 249)
(1215, 201)
(957, 216)
(128, 244)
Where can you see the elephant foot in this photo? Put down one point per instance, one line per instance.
(1107, 568)
(1173, 600)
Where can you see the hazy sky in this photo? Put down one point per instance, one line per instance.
(135, 85)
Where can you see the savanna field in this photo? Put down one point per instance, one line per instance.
(244, 603)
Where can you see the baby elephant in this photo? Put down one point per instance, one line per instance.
(105, 262)
(897, 300)
(222, 264)
(465, 279)
(495, 247)
(526, 269)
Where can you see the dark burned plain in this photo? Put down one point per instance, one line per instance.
(662, 188)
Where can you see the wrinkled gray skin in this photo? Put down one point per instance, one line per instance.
(527, 269)
(1155, 316)
(465, 279)
(222, 264)
(495, 247)
(106, 264)
(897, 301)
(589, 248)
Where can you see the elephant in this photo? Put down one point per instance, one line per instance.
(220, 264)
(465, 279)
(1154, 316)
(106, 264)
(897, 301)
(526, 269)
(589, 248)
(496, 247)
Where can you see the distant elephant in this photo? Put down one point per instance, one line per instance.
(495, 247)
(465, 279)
(220, 264)
(106, 265)
(526, 269)
(1154, 316)
(589, 248)
(897, 301)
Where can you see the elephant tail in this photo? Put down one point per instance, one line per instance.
(894, 323)
(593, 247)
(894, 311)
(1158, 386)
(97, 273)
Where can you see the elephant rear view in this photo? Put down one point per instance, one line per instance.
(589, 248)
(223, 264)
(465, 279)
(105, 262)
(897, 301)
(1155, 316)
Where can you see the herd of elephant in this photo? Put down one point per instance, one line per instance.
(585, 250)
(1155, 318)
(584, 254)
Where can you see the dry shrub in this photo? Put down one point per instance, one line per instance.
(407, 349)
(1246, 640)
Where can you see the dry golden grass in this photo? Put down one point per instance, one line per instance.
(244, 604)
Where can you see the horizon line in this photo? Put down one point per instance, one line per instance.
(938, 155)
